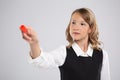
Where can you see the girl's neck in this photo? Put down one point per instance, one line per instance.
(83, 45)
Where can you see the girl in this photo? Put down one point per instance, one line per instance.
(82, 59)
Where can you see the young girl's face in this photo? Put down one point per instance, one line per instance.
(79, 29)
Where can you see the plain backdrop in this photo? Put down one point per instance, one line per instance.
(50, 18)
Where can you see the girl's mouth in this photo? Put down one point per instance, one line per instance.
(76, 33)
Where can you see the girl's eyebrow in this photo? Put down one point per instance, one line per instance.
(73, 20)
(78, 21)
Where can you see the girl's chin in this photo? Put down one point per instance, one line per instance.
(75, 39)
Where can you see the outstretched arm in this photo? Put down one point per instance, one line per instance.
(31, 37)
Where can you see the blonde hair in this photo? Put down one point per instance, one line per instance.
(89, 17)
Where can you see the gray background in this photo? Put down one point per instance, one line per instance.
(50, 19)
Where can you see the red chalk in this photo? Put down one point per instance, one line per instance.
(23, 29)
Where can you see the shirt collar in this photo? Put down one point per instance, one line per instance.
(79, 51)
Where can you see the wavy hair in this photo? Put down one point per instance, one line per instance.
(89, 17)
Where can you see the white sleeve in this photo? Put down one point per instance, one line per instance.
(105, 73)
(49, 59)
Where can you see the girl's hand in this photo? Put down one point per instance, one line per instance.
(30, 36)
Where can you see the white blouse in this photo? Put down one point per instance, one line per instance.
(57, 57)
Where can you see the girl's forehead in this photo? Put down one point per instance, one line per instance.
(77, 17)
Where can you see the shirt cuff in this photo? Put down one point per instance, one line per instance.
(38, 59)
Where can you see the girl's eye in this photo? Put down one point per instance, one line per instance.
(73, 22)
(82, 24)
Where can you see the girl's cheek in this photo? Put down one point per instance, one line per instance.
(70, 33)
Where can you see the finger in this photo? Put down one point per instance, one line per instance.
(30, 31)
(26, 37)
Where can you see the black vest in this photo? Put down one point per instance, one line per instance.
(81, 68)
